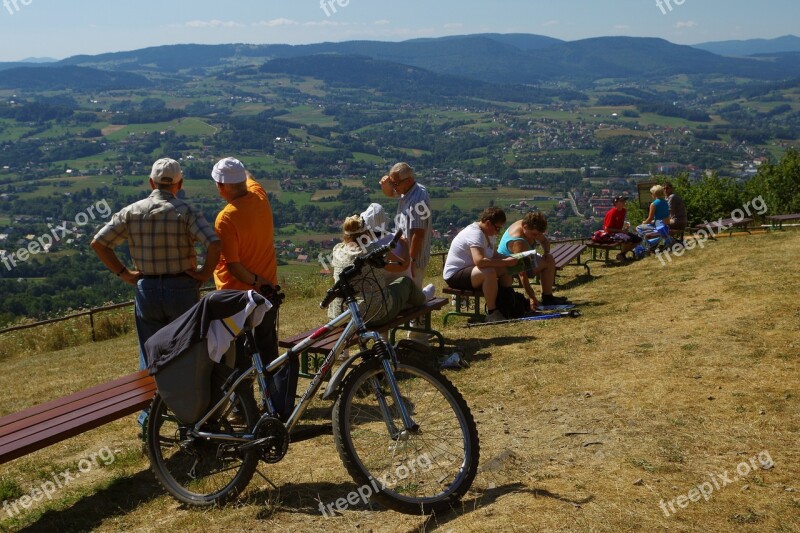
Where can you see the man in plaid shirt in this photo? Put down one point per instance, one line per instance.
(161, 231)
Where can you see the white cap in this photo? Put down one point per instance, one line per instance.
(375, 218)
(229, 170)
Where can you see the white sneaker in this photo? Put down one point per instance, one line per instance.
(494, 316)
(451, 361)
(429, 291)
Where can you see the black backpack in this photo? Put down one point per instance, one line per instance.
(511, 303)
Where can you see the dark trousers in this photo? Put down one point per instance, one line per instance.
(283, 383)
(157, 303)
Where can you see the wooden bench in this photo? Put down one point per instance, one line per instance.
(563, 254)
(777, 220)
(48, 423)
(464, 300)
(677, 234)
(313, 356)
(729, 224)
(601, 252)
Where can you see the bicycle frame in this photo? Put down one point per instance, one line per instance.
(353, 323)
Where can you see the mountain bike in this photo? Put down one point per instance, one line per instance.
(399, 426)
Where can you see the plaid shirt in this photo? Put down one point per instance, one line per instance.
(161, 231)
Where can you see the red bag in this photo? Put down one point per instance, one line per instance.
(602, 237)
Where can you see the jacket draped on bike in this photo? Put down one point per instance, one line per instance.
(217, 319)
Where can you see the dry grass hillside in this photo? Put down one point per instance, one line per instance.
(675, 378)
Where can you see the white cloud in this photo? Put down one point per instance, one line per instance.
(323, 23)
(275, 22)
(213, 24)
(551, 23)
(686, 24)
(453, 26)
(382, 22)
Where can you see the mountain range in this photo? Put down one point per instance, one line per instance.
(751, 47)
(489, 58)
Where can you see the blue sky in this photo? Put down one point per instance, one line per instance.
(55, 28)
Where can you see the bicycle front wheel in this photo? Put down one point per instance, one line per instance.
(202, 472)
(411, 471)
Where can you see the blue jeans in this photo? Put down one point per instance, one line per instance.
(159, 301)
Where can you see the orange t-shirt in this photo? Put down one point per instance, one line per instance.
(246, 230)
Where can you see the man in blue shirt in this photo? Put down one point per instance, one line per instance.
(413, 217)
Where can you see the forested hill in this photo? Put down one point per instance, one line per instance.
(493, 58)
(750, 47)
(407, 83)
(44, 78)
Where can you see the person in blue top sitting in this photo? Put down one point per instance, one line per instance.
(659, 208)
(522, 236)
(656, 226)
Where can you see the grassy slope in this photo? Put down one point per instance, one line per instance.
(673, 373)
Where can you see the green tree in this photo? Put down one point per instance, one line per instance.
(709, 198)
(778, 185)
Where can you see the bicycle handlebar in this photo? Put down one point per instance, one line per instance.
(375, 258)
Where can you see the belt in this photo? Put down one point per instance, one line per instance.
(165, 276)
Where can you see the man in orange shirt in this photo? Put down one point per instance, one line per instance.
(248, 262)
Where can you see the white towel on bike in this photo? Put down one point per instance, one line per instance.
(222, 331)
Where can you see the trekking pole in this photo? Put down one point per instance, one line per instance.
(572, 313)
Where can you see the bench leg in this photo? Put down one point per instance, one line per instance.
(463, 302)
(307, 362)
(599, 255)
(584, 264)
(426, 329)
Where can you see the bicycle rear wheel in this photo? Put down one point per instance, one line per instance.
(415, 472)
(202, 472)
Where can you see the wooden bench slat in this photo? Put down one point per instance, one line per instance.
(86, 416)
(794, 216)
(39, 440)
(778, 220)
(725, 224)
(97, 389)
(82, 407)
(610, 245)
(563, 254)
